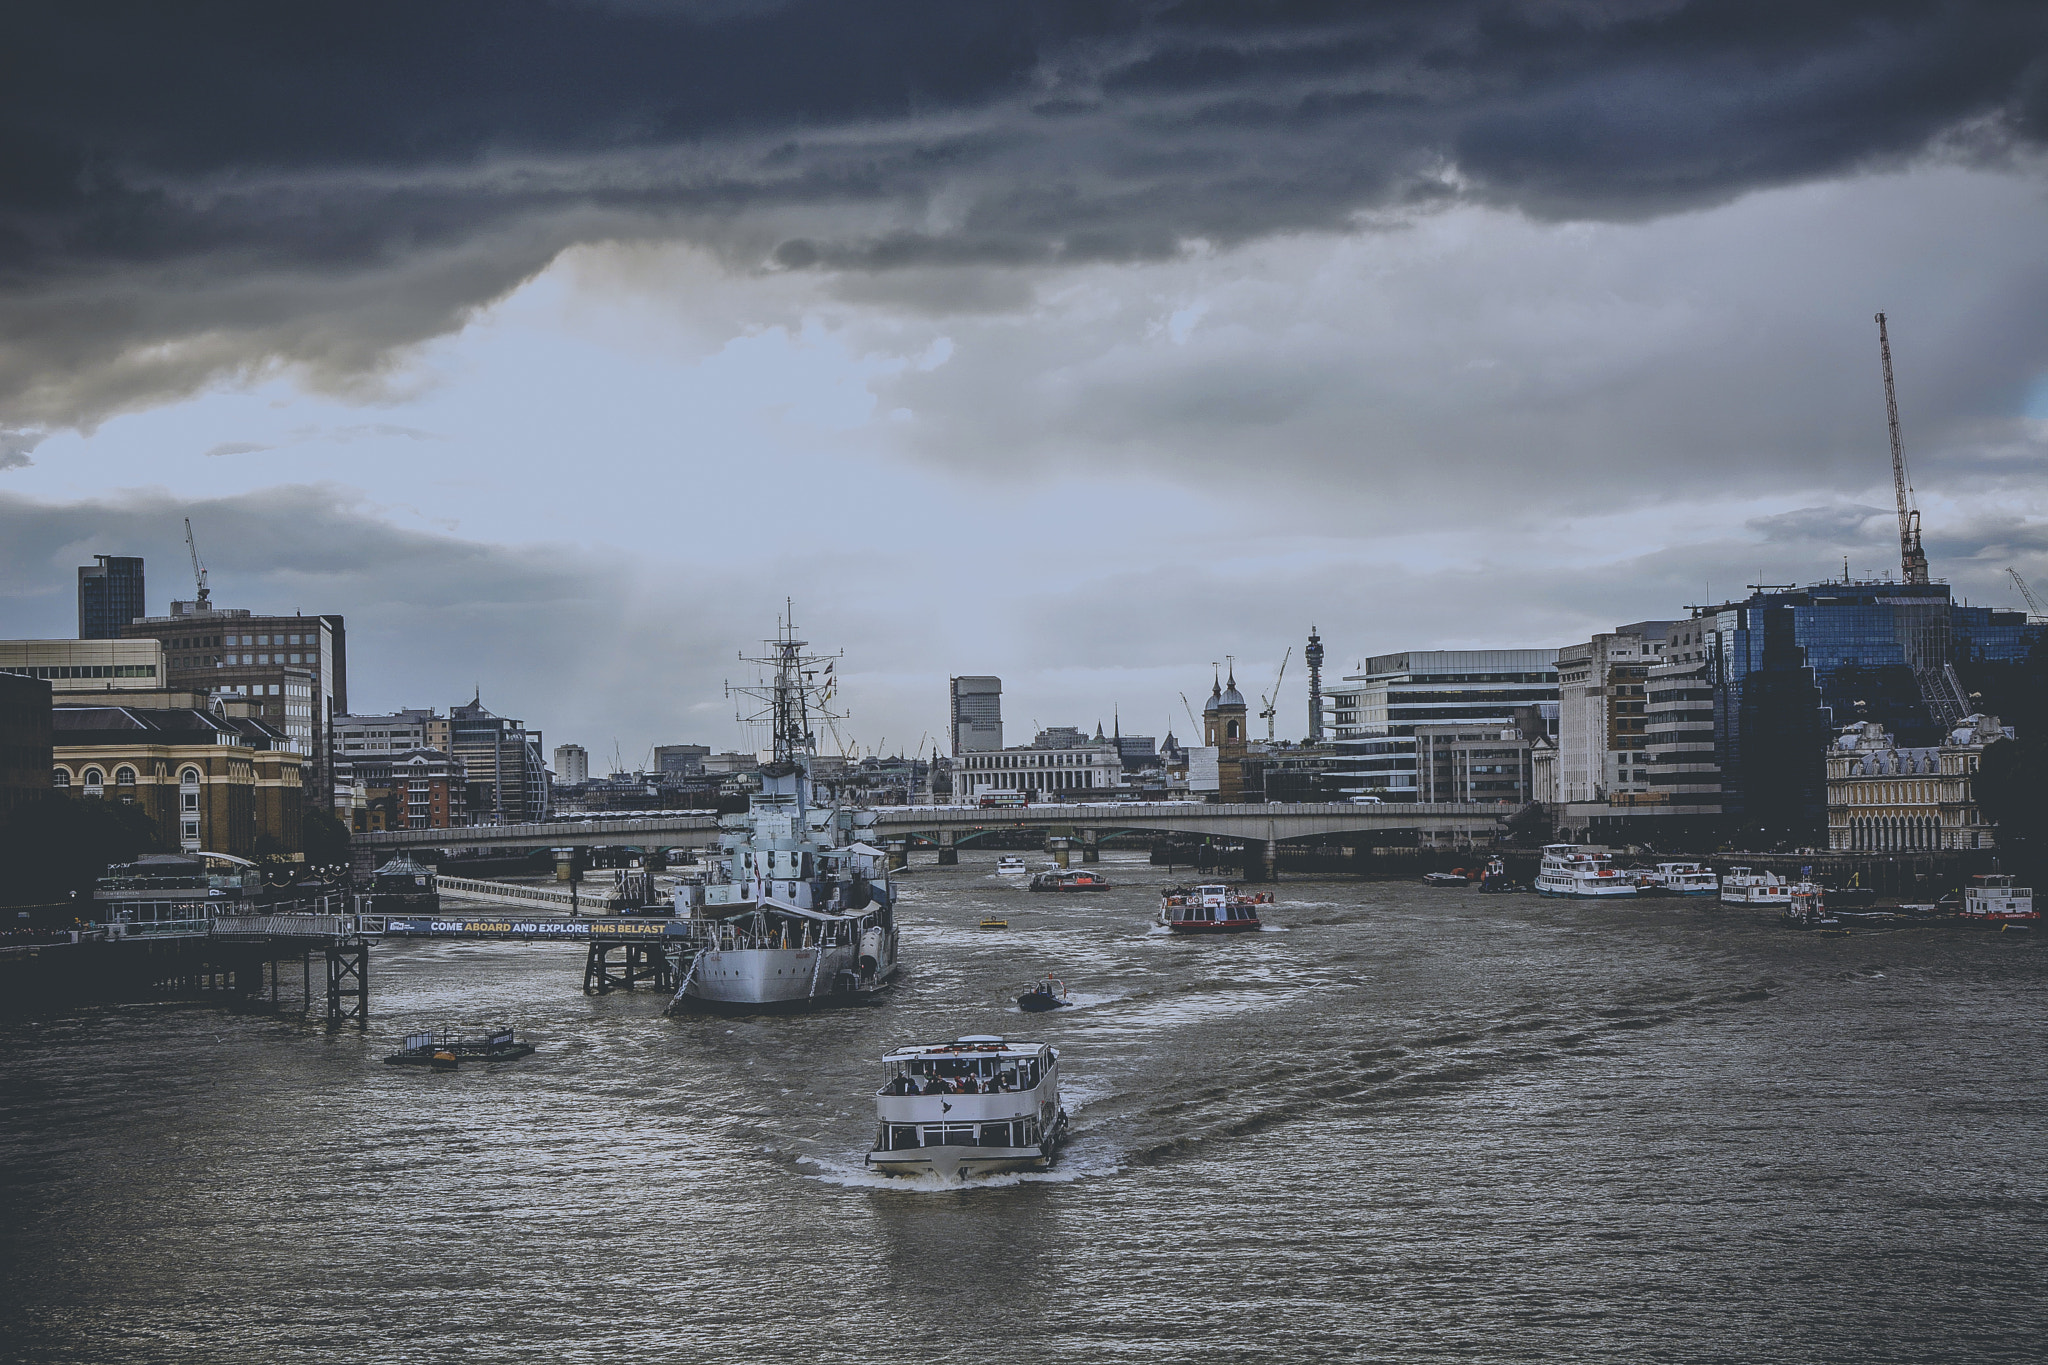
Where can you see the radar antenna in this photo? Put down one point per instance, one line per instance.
(795, 698)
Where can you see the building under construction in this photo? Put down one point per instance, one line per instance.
(1741, 714)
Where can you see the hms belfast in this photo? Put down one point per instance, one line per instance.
(799, 909)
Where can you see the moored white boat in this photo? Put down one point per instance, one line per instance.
(1010, 865)
(1570, 871)
(1683, 879)
(1995, 898)
(979, 1105)
(1743, 887)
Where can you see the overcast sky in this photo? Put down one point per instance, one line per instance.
(555, 345)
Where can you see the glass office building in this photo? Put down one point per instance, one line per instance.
(1789, 667)
(109, 596)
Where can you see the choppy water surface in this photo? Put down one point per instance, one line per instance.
(1414, 1124)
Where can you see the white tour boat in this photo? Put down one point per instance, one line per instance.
(979, 1105)
(1744, 887)
(1010, 865)
(1212, 909)
(1993, 898)
(1684, 879)
(1568, 870)
(797, 910)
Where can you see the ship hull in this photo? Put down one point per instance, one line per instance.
(960, 1163)
(758, 980)
(1248, 926)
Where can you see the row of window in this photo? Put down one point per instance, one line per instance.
(123, 777)
(86, 671)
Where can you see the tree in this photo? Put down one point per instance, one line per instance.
(325, 839)
(54, 849)
(2012, 790)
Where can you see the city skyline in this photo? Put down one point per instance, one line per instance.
(1092, 386)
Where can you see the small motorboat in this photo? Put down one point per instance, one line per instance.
(991, 922)
(1010, 865)
(1455, 877)
(445, 1050)
(1049, 994)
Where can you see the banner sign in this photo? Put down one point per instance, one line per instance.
(538, 928)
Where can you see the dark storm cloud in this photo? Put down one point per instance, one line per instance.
(190, 192)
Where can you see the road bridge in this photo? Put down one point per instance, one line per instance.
(1255, 825)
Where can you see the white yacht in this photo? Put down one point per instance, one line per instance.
(796, 910)
(979, 1105)
(1010, 865)
(1744, 887)
(1569, 870)
(1684, 879)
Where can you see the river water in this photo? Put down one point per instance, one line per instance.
(1402, 1124)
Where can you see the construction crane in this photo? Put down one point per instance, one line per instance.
(2035, 612)
(1272, 708)
(1187, 706)
(1912, 559)
(198, 569)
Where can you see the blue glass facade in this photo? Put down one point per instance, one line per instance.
(1790, 666)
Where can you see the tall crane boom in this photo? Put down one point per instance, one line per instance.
(2033, 605)
(1912, 559)
(1272, 701)
(198, 569)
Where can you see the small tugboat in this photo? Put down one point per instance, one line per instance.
(1010, 865)
(991, 922)
(1681, 879)
(1056, 880)
(1455, 877)
(1803, 908)
(1743, 887)
(1212, 909)
(445, 1050)
(1495, 880)
(1992, 898)
(1568, 870)
(1049, 994)
(979, 1105)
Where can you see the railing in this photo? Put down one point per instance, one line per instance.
(512, 891)
(284, 926)
(163, 928)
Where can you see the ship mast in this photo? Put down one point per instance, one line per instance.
(1912, 559)
(795, 698)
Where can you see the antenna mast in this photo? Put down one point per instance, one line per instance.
(1313, 657)
(793, 699)
(198, 569)
(1912, 559)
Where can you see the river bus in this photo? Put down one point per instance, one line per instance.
(1569, 870)
(1212, 909)
(979, 1105)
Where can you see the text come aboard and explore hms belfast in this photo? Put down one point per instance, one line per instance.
(799, 910)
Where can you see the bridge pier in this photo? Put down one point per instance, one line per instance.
(1272, 860)
(949, 856)
(1060, 846)
(899, 853)
(1091, 851)
(649, 962)
(348, 984)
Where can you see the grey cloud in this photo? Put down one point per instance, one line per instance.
(17, 446)
(1844, 524)
(238, 448)
(190, 196)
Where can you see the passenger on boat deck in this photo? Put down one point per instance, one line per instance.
(968, 1086)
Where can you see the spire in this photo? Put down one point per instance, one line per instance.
(1098, 729)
